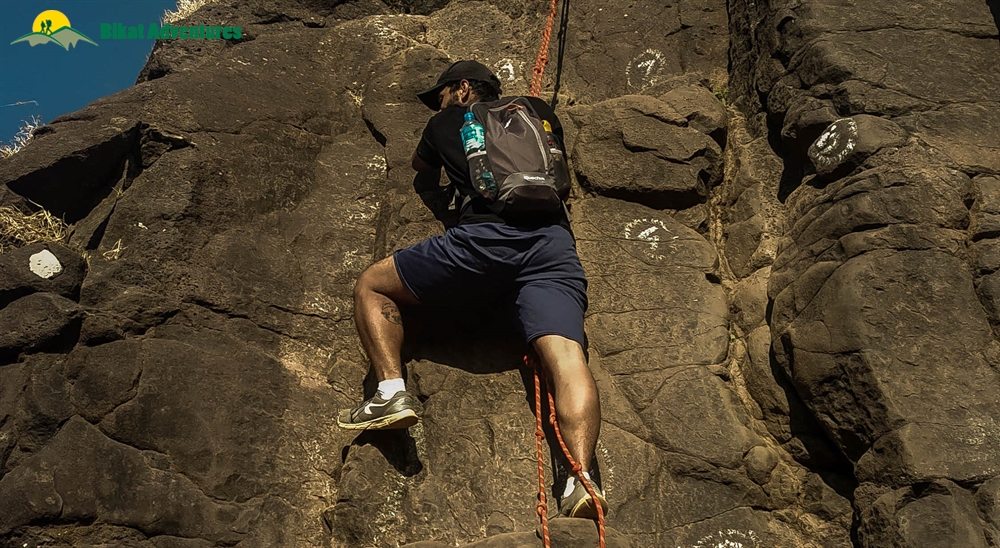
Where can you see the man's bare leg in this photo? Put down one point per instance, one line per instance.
(377, 295)
(577, 404)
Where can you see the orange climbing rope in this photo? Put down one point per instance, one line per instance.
(543, 53)
(542, 508)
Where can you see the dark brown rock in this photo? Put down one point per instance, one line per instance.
(743, 239)
(988, 501)
(696, 218)
(192, 425)
(748, 300)
(96, 535)
(701, 108)
(986, 209)
(722, 439)
(989, 295)
(226, 229)
(15, 201)
(70, 171)
(937, 514)
(805, 120)
(639, 148)
(609, 54)
(112, 481)
(853, 236)
(964, 133)
(828, 15)
(166, 541)
(666, 263)
(829, 60)
(761, 382)
(755, 165)
(447, 471)
(40, 267)
(36, 404)
(103, 377)
(741, 527)
(986, 256)
(751, 227)
(38, 322)
(760, 461)
(570, 532)
(848, 142)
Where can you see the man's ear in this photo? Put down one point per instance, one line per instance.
(465, 92)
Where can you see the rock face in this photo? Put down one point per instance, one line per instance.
(883, 309)
(794, 294)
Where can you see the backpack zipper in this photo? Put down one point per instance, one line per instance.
(538, 138)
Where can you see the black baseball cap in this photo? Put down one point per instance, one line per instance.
(458, 71)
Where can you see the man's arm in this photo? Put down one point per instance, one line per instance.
(419, 164)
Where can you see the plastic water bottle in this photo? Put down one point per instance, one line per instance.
(480, 171)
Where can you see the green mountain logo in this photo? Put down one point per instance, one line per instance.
(42, 33)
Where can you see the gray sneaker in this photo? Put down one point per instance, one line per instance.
(579, 503)
(399, 411)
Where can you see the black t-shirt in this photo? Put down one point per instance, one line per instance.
(441, 146)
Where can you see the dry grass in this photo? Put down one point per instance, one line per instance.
(21, 138)
(113, 253)
(19, 230)
(358, 96)
(184, 9)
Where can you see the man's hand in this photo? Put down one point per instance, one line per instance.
(419, 164)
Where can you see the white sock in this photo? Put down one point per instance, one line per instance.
(389, 387)
(571, 484)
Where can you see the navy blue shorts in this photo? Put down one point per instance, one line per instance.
(536, 270)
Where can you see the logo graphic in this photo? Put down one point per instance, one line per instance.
(52, 26)
(369, 405)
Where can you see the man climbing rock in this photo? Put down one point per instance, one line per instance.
(528, 261)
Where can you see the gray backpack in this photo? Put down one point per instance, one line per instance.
(531, 177)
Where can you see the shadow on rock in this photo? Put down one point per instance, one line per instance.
(481, 341)
(995, 10)
(397, 447)
(810, 445)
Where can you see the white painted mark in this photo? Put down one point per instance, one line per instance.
(44, 264)
(645, 70)
(382, 29)
(729, 538)
(650, 231)
(835, 143)
(646, 233)
(505, 70)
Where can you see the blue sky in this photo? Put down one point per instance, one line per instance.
(63, 81)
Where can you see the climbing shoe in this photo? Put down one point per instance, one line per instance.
(378, 413)
(579, 503)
